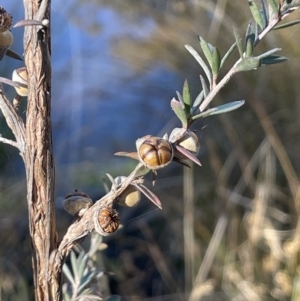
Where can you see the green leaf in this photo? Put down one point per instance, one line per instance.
(256, 13)
(220, 109)
(216, 61)
(238, 41)
(198, 101)
(204, 86)
(285, 25)
(207, 49)
(179, 111)
(274, 6)
(204, 114)
(249, 45)
(74, 265)
(86, 279)
(198, 58)
(273, 59)
(187, 98)
(69, 275)
(227, 54)
(249, 63)
(268, 53)
(264, 13)
(82, 264)
(180, 98)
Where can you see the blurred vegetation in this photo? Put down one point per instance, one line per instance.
(246, 195)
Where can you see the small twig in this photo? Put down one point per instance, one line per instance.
(8, 141)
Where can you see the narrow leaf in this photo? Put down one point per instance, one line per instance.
(268, 53)
(249, 63)
(150, 195)
(180, 98)
(187, 154)
(221, 109)
(179, 111)
(204, 114)
(227, 54)
(198, 58)
(249, 47)
(82, 264)
(273, 59)
(84, 281)
(198, 101)
(69, 275)
(74, 265)
(216, 61)
(256, 13)
(132, 155)
(274, 6)
(264, 13)
(13, 55)
(238, 41)
(285, 25)
(206, 48)
(204, 86)
(187, 98)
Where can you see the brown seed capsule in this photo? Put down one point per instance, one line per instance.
(154, 152)
(77, 203)
(130, 197)
(106, 220)
(6, 37)
(20, 77)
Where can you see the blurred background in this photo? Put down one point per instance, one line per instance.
(116, 66)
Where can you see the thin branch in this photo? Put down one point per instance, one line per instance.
(232, 71)
(14, 122)
(8, 141)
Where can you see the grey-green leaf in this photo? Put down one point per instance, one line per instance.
(216, 61)
(186, 94)
(179, 111)
(204, 86)
(206, 48)
(285, 25)
(273, 59)
(238, 41)
(198, 101)
(180, 98)
(249, 63)
(249, 46)
(227, 54)
(274, 6)
(256, 13)
(264, 13)
(69, 275)
(221, 109)
(268, 53)
(198, 58)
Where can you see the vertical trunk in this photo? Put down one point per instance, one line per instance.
(39, 158)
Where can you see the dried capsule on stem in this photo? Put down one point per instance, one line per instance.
(77, 203)
(106, 220)
(154, 152)
(20, 77)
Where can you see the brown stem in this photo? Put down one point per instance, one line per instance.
(40, 167)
